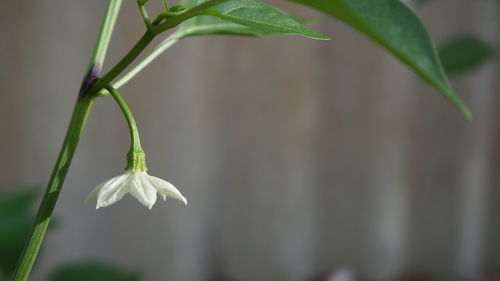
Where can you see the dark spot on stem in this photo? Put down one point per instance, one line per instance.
(89, 79)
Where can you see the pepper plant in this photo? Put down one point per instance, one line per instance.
(389, 23)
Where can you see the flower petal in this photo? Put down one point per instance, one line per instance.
(142, 189)
(112, 190)
(166, 189)
(93, 194)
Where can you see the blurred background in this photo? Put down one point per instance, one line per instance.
(300, 159)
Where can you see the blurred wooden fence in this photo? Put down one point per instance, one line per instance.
(297, 156)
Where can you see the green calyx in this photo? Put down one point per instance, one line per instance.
(136, 160)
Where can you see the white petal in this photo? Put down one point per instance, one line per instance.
(93, 194)
(166, 189)
(112, 190)
(142, 190)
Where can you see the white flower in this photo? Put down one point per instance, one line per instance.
(140, 185)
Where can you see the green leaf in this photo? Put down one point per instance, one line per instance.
(244, 17)
(394, 26)
(13, 233)
(191, 3)
(16, 220)
(92, 271)
(167, 20)
(209, 25)
(463, 53)
(240, 17)
(18, 201)
(14, 229)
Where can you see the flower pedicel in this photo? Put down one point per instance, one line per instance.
(135, 180)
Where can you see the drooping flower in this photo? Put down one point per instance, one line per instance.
(135, 180)
(139, 184)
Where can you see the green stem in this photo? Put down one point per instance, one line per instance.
(136, 158)
(122, 64)
(91, 86)
(162, 47)
(75, 128)
(174, 21)
(143, 43)
(135, 142)
(54, 186)
(144, 13)
(107, 26)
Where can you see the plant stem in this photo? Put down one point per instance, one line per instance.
(75, 128)
(91, 86)
(135, 142)
(49, 200)
(144, 41)
(136, 158)
(192, 12)
(162, 47)
(105, 32)
(144, 13)
(122, 64)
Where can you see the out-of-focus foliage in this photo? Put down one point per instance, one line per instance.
(16, 219)
(17, 214)
(463, 53)
(92, 271)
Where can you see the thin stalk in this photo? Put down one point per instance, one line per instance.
(105, 32)
(91, 86)
(150, 34)
(54, 186)
(75, 128)
(122, 64)
(136, 158)
(162, 47)
(135, 142)
(143, 42)
(144, 13)
(173, 21)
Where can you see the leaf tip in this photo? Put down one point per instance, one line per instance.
(455, 100)
(467, 113)
(463, 109)
(320, 37)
